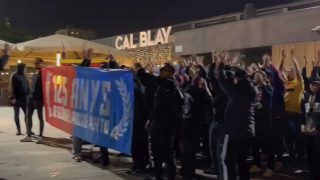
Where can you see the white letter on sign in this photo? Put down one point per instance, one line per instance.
(132, 46)
(126, 44)
(159, 38)
(143, 39)
(118, 46)
(150, 42)
(166, 33)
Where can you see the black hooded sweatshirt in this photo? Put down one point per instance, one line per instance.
(20, 86)
(239, 113)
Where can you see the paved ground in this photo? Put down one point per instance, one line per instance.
(53, 160)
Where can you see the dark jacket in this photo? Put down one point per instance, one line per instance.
(36, 92)
(263, 115)
(20, 87)
(196, 100)
(164, 114)
(239, 113)
(140, 116)
(279, 89)
(220, 100)
(3, 61)
(85, 63)
(149, 82)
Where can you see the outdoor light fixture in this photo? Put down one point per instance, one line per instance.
(58, 59)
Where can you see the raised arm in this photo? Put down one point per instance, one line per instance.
(296, 65)
(283, 58)
(304, 69)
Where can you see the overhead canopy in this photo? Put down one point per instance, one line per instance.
(59, 42)
(47, 47)
(2, 43)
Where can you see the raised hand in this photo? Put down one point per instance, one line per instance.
(199, 60)
(292, 51)
(313, 63)
(190, 62)
(284, 54)
(306, 61)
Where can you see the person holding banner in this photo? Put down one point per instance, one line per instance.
(77, 142)
(140, 154)
(163, 120)
(87, 59)
(35, 102)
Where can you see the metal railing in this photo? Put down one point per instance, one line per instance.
(237, 16)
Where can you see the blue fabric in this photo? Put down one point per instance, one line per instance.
(107, 118)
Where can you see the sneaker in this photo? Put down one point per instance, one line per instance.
(40, 140)
(254, 169)
(26, 139)
(210, 171)
(78, 158)
(278, 165)
(122, 155)
(267, 173)
(19, 133)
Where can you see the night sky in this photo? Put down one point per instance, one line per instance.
(112, 17)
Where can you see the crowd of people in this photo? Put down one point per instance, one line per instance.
(224, 110)
(227, 112)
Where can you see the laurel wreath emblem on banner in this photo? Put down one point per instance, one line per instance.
(119, 130)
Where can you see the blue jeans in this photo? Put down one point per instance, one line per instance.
(294, 137)
(34, 105)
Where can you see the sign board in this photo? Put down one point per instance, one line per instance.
(145, 38)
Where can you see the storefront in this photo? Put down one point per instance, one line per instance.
(156, 46)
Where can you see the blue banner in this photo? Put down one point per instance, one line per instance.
(92, 104)
(105, 107)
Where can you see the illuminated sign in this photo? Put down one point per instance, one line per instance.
(146, 38)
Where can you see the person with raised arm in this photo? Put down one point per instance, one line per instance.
(293, 97)
(238, 124)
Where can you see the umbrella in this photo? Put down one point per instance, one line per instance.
(2, 43)
(61, 43)
(47, 47)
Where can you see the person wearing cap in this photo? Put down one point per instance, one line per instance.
(163, 120)
(35, 102)
(5, 56)
(293, 101)
(238, 124)
(311, 127)
(18, 92)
